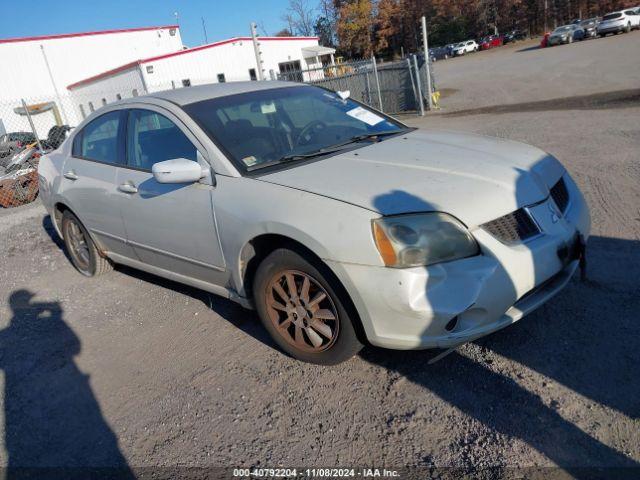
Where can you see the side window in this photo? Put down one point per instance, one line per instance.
(153, 138)
(100, 138)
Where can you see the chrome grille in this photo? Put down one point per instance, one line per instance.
(514, 227)
(560, 194)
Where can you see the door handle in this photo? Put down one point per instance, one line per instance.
(71, 175)
(128, 188)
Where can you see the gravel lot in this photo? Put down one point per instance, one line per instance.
(130, 369)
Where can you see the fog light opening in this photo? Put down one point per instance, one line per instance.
(451, 324)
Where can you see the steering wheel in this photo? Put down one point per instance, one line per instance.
(309, 130)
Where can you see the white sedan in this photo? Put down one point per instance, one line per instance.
(340, 225)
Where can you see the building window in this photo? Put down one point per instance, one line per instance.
(134, 92)
(149, 68)
(172, 32)
(104, 101)
(82, 112)
(221, 78)
(291, 71)
(91, 107)
(252, 74)
(118, 96)
(186, 82)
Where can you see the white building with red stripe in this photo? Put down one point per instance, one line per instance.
(225, 61)
(39, 68)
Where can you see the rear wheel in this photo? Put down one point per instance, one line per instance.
(301, 310)
(82, 251)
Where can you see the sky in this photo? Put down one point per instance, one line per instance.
(223, 19)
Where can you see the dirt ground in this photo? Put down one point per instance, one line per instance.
(133, 370)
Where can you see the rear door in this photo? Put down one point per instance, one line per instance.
(89, 180)
(170, 226)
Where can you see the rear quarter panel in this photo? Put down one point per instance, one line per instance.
(49, 178)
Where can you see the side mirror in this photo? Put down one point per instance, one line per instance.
(179, 170)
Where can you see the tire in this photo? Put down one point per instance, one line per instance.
(295, 322)
(84, 257)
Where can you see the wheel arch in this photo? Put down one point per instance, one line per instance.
(59, 208)
(259, 247)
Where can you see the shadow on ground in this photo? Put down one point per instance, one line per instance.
(585, 339)
(597, 101)
(54, 427)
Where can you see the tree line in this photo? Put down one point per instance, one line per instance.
(361, 28)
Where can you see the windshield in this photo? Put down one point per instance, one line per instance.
(566, 28)
(611, 16)
(267, 127)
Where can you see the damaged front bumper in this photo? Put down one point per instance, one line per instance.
(448, 304)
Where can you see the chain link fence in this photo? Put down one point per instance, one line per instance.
(391, 87)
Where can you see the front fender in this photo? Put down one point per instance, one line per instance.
(246, 208)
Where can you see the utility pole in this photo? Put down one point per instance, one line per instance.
(53, 84)
(256, 49)
(427, 67)
(204, 30)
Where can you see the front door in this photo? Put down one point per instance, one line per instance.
(170, 226)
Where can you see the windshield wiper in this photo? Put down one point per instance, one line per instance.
(325, 150)
(298, 156)
(365, 136)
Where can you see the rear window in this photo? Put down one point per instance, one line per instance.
(611, 16)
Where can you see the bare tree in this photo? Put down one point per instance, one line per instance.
(300, 17)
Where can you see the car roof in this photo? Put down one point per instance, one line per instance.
(185, 96)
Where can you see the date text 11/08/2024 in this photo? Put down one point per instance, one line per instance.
(315, 473)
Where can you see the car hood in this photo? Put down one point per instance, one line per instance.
(473, 177)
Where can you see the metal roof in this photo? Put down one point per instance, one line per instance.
(316, 50)
(85, 34)
(185, 51)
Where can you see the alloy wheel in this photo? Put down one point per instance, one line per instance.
(302, 311)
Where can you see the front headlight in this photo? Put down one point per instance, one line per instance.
(420, 239)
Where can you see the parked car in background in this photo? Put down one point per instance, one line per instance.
(12, 142)
(565, 34)
(634, 16)
(618, 22)
(449, 49)
(438, 53)
(514, 35)
(491, 41)
(336, 222)
(465, 47)
(590, 26)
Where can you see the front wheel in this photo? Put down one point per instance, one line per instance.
(299, 306)
(81, 249)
